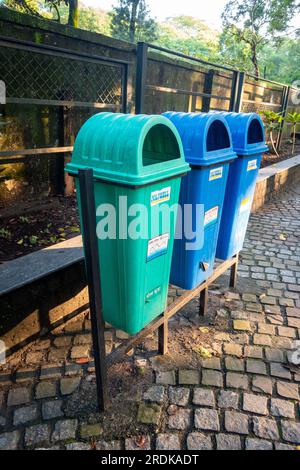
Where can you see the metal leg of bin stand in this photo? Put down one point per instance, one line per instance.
(163, 332)
(233, 272)
(94, 283)
(203, 299)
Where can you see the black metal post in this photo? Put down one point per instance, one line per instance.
(285, 102)
(163, 333)
(203, 300)
(233, 272)
(90, 244)
(141, 74)
(239, 94)
(234, 90)
(124, 88)
(208, 85)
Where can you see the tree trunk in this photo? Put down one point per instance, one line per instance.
(254, 59)
(132, 25)
(73, 13)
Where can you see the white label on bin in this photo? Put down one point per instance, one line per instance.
(252, 165)
(216, 173)
(160, 196)
(157, 246)
(211, 216)
(153, 293)
(245, 205)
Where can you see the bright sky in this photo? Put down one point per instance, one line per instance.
(209, 10)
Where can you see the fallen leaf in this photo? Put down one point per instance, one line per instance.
(204, 353)
(140, 441)
(82, 360)
(204, 330)
(283, 236)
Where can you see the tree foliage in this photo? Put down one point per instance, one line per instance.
(253, 22)
(46, 8)
(131, 21)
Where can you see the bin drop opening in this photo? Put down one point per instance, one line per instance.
(255, 132)
(217, 137)
(160, 145)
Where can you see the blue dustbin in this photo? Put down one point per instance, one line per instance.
(248, 138)
(208, 149)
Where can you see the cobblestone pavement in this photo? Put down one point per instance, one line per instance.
(229, 381)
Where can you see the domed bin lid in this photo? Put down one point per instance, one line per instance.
(128, 149)
(248, 133)
(205, 137)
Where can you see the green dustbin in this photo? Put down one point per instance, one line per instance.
(140, 160)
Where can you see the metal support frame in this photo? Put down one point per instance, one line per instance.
(208, 86)
(141, 74)
(103, 362)
(285, 102)
(238, 95)
(90, 244)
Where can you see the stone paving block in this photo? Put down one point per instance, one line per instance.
(255, 352)
(109, 445)
(19, 396)
(65, 430)
(179, 396)
(142, 443)
(233, 349)
(255, 366)
(37, 435)
(34, 357)
(262, 384)
(63, 341)
(262, 340)
(265, 428)
(51, 371)
(234, 363)
(277, 370)
(275, 319)
(211, 363)
(199, 441)
(265, 329)
(25, 415)
(52, 409)
(272, 310)
(155, 394)
(274, 355)
(283, 408)
(286, 331)
(82, 339)
(290, 431)
(188, 377)
(236, 422)
(288, 390)
(249, 298)
(235, 380)
(77, 352)
(228, 399)
(78, 446)
(180, 419)
(228, 442)
(282, 342)
(149, 413)
(68, 385)
(294, 322)
(242, 325)
(255, 404)
(258, 444)
(88, 431)
(207, 419)
(2, 422)
(168, 441)
(212, 378)
(251, 307)
(26, 374)
(9, 440)
(203, 397)
(268, 300)
(293, 312)
(45, 390)
(285, 447)
(166, 378)
(58, 354)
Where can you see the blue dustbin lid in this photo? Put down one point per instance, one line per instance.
(205, 136)
(247, 132)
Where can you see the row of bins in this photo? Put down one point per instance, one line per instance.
(143, 166)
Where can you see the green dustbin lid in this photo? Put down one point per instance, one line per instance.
(128, 149)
